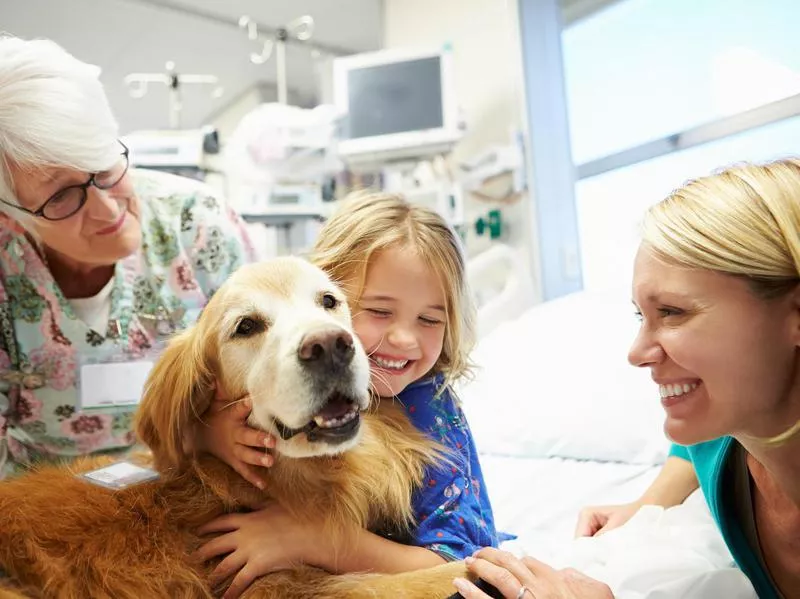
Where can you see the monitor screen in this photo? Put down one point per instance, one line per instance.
(394, 98)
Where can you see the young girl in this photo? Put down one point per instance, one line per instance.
(402, 269)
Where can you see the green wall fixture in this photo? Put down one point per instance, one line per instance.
(491, 224)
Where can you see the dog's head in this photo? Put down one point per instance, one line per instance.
(280, 332)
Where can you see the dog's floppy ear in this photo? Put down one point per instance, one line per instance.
(178, 391)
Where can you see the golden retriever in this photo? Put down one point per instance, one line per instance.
(280, 332)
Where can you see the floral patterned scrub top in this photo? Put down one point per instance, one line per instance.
(191, 242)
(453, 513)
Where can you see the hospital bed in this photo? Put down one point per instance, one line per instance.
(562, 421)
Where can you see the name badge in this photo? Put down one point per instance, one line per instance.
(120, 475)
(113, 384)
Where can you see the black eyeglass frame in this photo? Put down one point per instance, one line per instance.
(84, 187)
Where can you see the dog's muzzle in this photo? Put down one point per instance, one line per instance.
(337, 421)
(326, 359)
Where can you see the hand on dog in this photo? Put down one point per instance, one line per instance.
(509, 574)
(224, 433)
(257, 543)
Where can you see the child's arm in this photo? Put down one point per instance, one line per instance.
(454, 514)
(373, 553)
(267, 540)
(223, 432)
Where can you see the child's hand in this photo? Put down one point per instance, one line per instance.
(257, 543)
(224, 433)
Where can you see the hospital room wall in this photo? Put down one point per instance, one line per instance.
(488, 72)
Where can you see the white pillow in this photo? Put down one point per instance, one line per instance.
(556, 382)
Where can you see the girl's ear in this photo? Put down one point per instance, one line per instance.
(179, 389)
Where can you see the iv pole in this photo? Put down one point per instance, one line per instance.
(301, 28)
(137, 85)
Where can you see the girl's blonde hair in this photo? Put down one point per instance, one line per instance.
(366, 223)
(742, 221)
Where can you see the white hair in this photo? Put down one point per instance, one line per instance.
(53, 113)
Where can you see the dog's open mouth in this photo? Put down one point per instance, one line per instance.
(338, 420)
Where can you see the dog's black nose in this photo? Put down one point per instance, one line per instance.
(325, 350)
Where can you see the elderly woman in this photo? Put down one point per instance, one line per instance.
(98, 262)
(717, 286)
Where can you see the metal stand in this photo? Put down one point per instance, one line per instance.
(138, 82)
(301, 29)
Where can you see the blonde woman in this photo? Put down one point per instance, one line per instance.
(99, 263)
(402, 269)
(717, 286)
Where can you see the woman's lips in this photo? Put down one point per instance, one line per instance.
(115, 227)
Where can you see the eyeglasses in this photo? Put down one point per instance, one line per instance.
(68, 201)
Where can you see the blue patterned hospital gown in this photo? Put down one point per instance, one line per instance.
(453, 512)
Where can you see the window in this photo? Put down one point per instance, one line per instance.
(643, 69)
(610, 205)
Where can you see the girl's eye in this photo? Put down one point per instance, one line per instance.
(379, 313)
(639, 316)
(431, 322)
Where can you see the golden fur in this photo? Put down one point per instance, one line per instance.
(63, 537)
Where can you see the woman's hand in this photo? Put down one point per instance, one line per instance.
(224, 433)
(527, 578)
(599, 519)
(257, 543)
(674, 483)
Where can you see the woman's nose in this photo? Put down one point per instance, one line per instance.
(101, 204)
(645, 350)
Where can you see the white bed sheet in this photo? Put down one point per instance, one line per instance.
(538, 499)
(659, 554)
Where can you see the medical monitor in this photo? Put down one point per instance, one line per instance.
(397, 104)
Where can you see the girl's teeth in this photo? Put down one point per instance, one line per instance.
(391, 364)
(676, 390)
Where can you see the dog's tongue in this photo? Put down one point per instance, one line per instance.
(336, 407)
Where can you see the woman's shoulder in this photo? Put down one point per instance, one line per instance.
(709, 458)
(20, 264)
(710, 450)
(10, 230)
(179, 206)
(164, 196)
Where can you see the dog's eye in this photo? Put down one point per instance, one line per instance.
(329, 302)
(248, 327)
